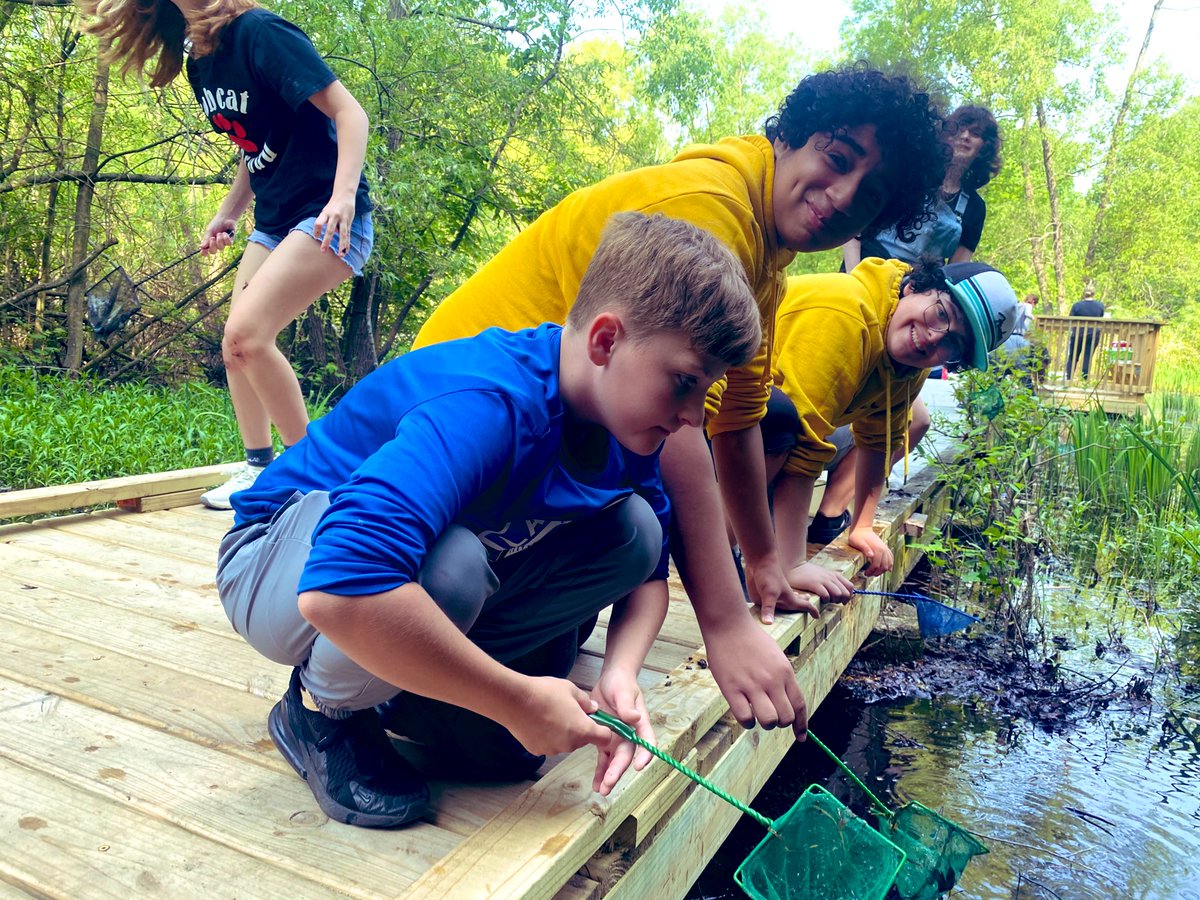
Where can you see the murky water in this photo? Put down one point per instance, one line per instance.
(1106, 808)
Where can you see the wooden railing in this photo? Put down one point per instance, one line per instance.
(1110, 359)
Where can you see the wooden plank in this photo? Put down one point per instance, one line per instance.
(196, 522)
(183, 645)
(61, 841)
(95, 493)
(32, 575)
(162, 501)
(119, 528)
(257, 810)
(159, 696)
(91, 551)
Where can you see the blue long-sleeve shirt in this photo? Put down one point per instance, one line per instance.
(466, 432)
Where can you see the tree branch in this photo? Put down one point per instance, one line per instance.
(64, 176)
(477, 199)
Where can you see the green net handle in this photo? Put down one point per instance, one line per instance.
(629, 734)
(883, 810)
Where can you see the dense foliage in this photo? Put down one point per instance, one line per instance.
(483, 115)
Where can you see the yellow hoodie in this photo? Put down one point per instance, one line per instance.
(830, 359)
(724, 188)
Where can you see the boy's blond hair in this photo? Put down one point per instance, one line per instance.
(134, 32)
(666, 275)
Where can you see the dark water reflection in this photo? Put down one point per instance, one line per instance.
(1108, 807)
(1109, 810)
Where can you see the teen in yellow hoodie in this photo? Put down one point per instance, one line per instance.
(846, 150)
(881, 329)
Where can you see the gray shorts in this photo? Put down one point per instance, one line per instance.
(843, 439)
(555, 585)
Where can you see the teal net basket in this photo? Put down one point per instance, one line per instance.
(819, 850)
(936, 850)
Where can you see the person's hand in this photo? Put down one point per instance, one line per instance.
(756, 678)
(335, 219)
(218, 234)
(869, 544)
(769, 590)
(553, 717)
(824, 583)
(618, 693)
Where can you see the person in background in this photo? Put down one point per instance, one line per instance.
(955, 225)
(452, 523)
(848, 150)
(882, 328)
(301, 139)
(1081, 341)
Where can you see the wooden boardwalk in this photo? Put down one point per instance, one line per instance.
(135, 760)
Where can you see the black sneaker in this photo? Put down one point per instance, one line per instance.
(823, 529)
(355, 774)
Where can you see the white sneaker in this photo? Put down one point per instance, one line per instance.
(218, 497)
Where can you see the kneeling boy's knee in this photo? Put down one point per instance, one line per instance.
(644, 537)
(457, 576)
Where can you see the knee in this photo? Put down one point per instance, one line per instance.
(242, 344)
(457, 576)
(919, 426)
(643, 537)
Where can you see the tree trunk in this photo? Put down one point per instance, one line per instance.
(76, 302)
(1110, 158)
(1036, 240)
(358, 326)
(52, 195)
(1056, 230)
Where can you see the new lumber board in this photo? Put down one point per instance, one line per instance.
(269, 815)
(62, 841)
(95, 493)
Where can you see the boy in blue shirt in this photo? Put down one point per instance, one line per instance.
(468, 507)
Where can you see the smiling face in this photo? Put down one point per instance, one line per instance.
(650, 387)
(827, 191)
(927, 330)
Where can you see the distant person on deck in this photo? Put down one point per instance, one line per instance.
(454, 525)
(1081, 342)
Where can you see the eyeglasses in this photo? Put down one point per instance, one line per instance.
(938, 320)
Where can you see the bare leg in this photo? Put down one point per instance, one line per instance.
(286, 283)
(839, 488)
(253, 423)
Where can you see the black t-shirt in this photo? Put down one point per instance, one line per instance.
(972, 220)
(1093, 308)
(254, 89)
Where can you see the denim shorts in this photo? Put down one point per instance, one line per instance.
(362, 239)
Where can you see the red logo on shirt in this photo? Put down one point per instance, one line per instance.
(235, 132)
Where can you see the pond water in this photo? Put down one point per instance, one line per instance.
(1106, 805)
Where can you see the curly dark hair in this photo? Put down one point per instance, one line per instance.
(908, 129)
(987, 163)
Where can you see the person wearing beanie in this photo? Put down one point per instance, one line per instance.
(881, 328)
